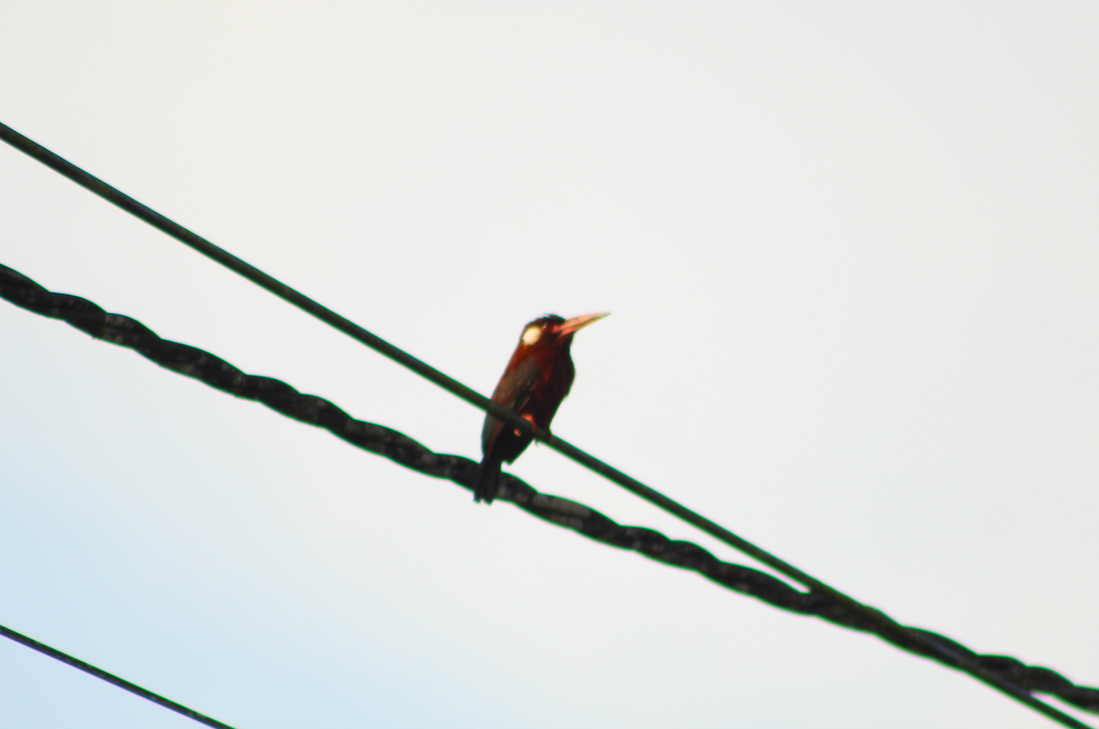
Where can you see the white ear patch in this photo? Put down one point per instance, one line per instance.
(531, 335)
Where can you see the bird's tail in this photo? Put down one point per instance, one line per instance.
(488, 480)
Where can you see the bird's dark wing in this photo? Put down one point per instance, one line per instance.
(514, 391)
(516, 387)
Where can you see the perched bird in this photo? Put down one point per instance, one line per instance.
(535, 382)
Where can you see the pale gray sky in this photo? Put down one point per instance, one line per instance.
(850, 249)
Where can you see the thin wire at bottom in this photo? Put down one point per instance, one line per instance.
(112, 679)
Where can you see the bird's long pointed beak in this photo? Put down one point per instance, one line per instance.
(577, 323)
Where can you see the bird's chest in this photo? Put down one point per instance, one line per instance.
(535, 384)
(552, 384)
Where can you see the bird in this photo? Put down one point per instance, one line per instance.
(536, 380)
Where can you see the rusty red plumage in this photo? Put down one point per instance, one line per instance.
(536, 380)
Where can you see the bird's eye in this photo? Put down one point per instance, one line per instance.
(531, 335)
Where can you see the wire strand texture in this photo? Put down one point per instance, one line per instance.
(886, 626)
(562, 512)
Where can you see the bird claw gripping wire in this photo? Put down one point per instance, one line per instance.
(562, 512)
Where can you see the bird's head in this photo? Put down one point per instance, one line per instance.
(552, 331)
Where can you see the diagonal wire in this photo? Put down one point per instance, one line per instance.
(117, 197)
(111, 678)
(405, 451)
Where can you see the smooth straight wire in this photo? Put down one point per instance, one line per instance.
(471, 396)
(890, 627)
(111, 678)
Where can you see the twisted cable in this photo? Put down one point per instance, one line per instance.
(887, 628)
(562, 512)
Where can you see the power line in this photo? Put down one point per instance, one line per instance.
(111, 678)
(888, 627)
(273, 285)
(396, 446)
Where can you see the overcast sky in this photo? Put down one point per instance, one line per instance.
(851, 255)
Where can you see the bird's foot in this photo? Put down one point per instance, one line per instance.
(529, 419)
